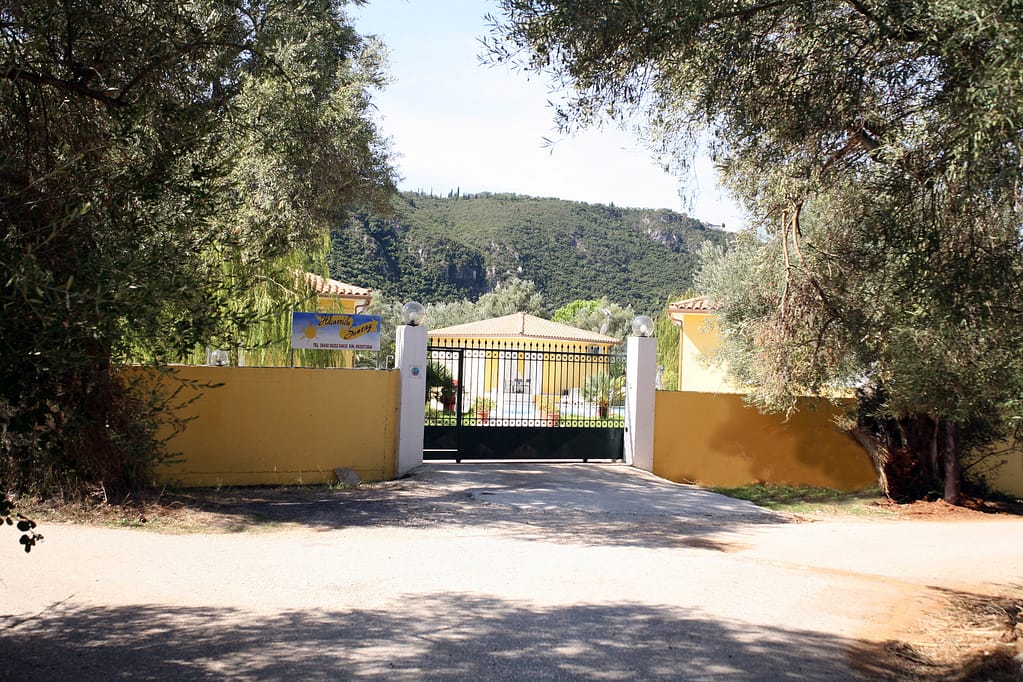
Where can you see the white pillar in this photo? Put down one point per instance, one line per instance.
(640, 393)
(410, 360)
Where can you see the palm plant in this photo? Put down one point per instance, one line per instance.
(440, 385)
(603, 390)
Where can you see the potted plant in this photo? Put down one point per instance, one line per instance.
(482, 406)
(549, 410)
(602, 389)
(440, 385)
(448, 395)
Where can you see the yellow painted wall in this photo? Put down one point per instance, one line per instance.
(718, 440)
(1003, 472)
(1008, 478)
(700, 338)
(336, 304)
(279, 425)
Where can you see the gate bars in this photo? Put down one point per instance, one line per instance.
(524, 384)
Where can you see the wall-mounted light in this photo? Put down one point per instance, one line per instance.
(642, 326)
(413, 313)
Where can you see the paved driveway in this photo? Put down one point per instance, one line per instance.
(503, 572)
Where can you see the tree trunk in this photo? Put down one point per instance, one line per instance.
(905, 455)
(950, 451)
(934, 453)
(878, 455)
(916, 456)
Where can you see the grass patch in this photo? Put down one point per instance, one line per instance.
(804, 499)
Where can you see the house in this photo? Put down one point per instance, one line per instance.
(333, 296)
(519, 361)
(699, 337)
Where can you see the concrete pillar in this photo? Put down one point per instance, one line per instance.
(410, 360)
(640, 393)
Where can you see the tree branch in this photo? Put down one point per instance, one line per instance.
(788, 263)
(184, 49)
(16, 73)
(909, 35)
(746, 12)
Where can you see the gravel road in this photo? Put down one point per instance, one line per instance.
(489, 572)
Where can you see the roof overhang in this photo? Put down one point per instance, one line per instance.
(698, 305)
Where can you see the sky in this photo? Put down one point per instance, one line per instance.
(459, 124)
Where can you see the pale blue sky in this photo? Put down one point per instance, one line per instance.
(458, 124)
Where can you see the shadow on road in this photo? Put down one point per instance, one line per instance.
(585, 504)
(440, 637)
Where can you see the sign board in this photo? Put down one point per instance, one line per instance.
(335, 331)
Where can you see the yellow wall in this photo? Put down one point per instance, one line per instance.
(1008, 478)
(279, 425)
(1003, 472)
(718, 440)
(700, 338)
(335, 304)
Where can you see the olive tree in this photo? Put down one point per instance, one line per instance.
(879, 146)
(597, 315)
(157, 160)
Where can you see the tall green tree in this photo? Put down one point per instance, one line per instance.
(511, 296)
(879, 145)
(597, 315)
(156, 159)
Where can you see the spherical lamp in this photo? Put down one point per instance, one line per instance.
(642, 326)
(413, 313)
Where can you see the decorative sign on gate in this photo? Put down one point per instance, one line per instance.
(335, 331)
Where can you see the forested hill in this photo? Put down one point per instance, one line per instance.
(436, 249)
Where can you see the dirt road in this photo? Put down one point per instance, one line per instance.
(497, 572)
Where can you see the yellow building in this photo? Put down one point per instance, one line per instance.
(519, 360)
(699, 337)
(333, 296)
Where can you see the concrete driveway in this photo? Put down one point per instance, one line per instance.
(493, 572)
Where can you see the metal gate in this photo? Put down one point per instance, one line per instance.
(523, 400)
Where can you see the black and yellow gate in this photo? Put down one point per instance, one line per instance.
(523, 401)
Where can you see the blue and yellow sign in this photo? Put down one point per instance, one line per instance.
(335, 331)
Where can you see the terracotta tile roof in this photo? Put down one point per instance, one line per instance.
(331, 287)
(523, 326)
(697, 304)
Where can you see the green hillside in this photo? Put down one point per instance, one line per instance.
(437, 249)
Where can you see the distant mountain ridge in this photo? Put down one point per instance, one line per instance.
(436, 249)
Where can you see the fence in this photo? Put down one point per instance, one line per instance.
(716, 439)
(494, 383)
(263, 425)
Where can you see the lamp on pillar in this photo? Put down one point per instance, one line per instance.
(410, 341)
(413, 313)
(640, 394)
(642, 326)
